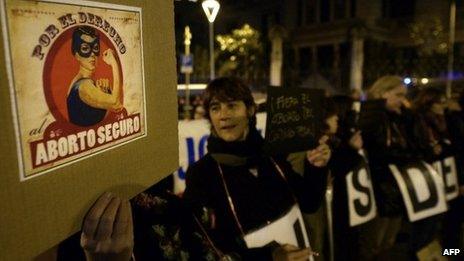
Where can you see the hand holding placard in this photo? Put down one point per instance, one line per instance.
(320, 156)
(107, 232)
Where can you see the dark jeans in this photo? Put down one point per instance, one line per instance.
(424, 231)
(378, 236)
(452, 225)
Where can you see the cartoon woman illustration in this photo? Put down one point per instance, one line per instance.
(88, 101)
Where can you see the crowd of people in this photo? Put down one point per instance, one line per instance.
(237, 194)
(195, 110)
(397, 130)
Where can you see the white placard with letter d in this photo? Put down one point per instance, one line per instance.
(422, 189)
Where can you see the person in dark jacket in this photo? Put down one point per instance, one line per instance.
(455, 121)
(438, 143)
(453, 237)
(432, 138)
(346, 157)
(233, 193)
(242, 189)
(431, 132)
(384, 124)
(316, 221)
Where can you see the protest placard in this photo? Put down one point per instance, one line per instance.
(294, 117)
(58, 153)
(422, 189)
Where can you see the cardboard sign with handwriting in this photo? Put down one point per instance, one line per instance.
(58, 153)
(294, 119)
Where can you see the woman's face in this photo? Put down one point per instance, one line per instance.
(90, 49)
(332, 122)
(395, 98)
(230, 119)
(88, 63)
(199, 113)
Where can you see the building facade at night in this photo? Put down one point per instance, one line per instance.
(339, 39)
(344, 43)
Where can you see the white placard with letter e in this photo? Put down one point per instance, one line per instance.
(448, 171)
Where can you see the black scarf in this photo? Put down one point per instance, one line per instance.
(237, 153)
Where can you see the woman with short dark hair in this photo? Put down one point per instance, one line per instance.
(237, 188)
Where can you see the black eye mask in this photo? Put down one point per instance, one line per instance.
(84, 48)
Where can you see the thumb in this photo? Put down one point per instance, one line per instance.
(323, 139)
(289, 247)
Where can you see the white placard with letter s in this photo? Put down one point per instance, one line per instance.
(361, 200)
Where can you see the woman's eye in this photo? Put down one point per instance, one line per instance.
(85, 48)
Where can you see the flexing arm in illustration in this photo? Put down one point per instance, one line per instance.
(87, 100)
(100, 95)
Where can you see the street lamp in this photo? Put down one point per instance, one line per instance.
(211, 9)
(452, 29)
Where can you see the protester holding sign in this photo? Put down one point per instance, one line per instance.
(353, 199)
(435, 136)
(316, 220)
(238, 195)
(384, 131)
(243, 191)
(431, 136)
(433, 131)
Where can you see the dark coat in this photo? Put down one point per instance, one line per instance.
(257, 199)
(388, 140)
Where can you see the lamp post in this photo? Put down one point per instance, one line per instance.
(452, 25)
(187, 69)
(211, 9)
